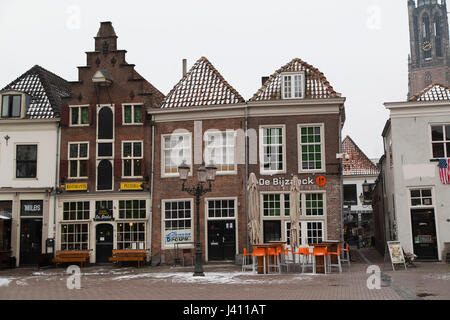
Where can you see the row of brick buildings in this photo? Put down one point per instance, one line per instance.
(120, 142)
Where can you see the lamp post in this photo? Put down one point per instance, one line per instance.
(205, 174)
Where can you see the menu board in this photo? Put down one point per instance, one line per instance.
(396, 252)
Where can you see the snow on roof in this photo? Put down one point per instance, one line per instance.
(203, 85)
(434, 92)
(357, 163)
(317, 85)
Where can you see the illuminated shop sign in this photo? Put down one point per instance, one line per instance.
(103, 214)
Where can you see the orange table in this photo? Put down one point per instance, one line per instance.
(332, 246)
(265, 246)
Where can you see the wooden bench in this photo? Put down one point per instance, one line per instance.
(129, 255)
(62, 256)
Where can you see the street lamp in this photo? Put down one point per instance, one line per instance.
(205, 174)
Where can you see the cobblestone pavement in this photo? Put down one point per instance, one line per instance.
(227, 282)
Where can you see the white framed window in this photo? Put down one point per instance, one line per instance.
(421, 197)
(74, 236)
(176, 147)
(105, 147)
(132, 159)
(79, 116)
(177, 223)
(78, 159)
(440, 141)
(26, 157)
(293, 85)
(73, 211)
(221, 208)
(272, 149)
(311, 149)
(131, 235)
(132, 114)
(314, 231)
(314, 204)
(132, 209)
(11, 105)
(220, 148)
(288, 233)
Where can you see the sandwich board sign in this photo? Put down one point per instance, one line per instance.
(396, 253)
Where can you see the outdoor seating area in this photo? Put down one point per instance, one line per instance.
(276, 257)
(138, 256)
(63, 256)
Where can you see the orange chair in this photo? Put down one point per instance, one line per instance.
(346, 255)
(319, 252)
(259, 252)
(336, 254)
(245, 264)
(304, 255)
(274, 253)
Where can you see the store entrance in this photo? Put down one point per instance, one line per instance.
(221, 240)
(30, 241)
(424, 234)
(104, 243)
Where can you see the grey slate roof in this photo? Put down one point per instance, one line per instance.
(45, 89)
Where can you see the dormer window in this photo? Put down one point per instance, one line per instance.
(293, 85)
(11, 105)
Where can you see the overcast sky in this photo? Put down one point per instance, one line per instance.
(361, 46)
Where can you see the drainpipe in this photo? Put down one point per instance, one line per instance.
(151, 184)
(55, 191)
(342, 175)
(246, 174)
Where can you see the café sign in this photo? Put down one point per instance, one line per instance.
(103, 214)
(131, 186)
(282, 182)
(76, 187)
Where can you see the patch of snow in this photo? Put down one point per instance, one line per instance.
(4, 282)
(21, 283)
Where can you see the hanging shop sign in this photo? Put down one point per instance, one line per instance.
(76, 187)
(320, 181)
(31, 208)
(131, 186)
(103, 214)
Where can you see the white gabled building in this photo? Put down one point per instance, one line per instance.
(416, 201)
(29, 138)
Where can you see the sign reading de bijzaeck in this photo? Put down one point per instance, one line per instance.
(282, 182)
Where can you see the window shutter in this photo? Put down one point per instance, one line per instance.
(118, 168)
(144, 114)
(63, 169)
(65, 111)
(118, 111)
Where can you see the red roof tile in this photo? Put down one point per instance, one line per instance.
(317, 86)
(434, 92)
(203, 85)
(357, 162)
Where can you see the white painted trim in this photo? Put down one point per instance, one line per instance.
(163, 164)
(163, 219)
(322, 143)
(261, 150)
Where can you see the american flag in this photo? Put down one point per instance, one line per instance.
(444, 172)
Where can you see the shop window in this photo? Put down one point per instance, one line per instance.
(421, 197)
(5, 225)
(132, 156)
(132, 114)
(175, 149)
(220, 149)
(76, 211)
(350, 195)
(74, 236)
(311, 155)
(131, 235)
(132, 209)
(221, 209)
(79, 116)
(272, 230)
(314, 204)
(440, 140)
(177, 222)
(272, 150)
(78, 160)
(315, 232)
(26, 161)
(104, 175)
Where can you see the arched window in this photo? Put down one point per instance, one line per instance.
(426, 36)
(104, 175)
(438, 34)
(428, 80)
(105, 123)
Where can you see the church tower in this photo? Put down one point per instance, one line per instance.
(429, 59)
